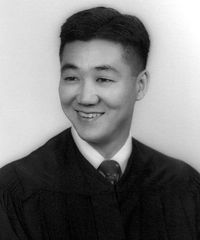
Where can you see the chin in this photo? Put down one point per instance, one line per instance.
(91, 136)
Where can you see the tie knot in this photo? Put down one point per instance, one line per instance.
(111, 170)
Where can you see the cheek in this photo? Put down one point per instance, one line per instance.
(66, 95)
(121, 98)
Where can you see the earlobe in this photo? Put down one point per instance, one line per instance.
(142, 83)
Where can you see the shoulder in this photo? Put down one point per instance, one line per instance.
(164, 171)
(36, 169)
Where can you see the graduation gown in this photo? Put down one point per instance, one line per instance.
(55, 193)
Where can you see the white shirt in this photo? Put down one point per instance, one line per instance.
(95, 158)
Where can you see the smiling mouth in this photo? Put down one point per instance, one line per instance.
(89, 116)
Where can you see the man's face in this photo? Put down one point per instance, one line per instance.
(97, 90)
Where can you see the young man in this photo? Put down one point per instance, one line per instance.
(93, 181)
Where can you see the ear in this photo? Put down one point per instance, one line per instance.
(142, 83)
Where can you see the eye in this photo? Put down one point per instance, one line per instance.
(104, 80)
(70, 79)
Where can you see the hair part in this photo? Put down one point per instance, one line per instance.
(108, 24)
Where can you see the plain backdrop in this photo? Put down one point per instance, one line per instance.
(168, 119)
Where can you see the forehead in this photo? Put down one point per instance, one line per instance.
(96, 52)
(93, 52)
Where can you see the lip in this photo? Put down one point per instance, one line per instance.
(88, 112)
(89, 116)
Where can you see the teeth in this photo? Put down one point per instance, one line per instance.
(89, 115)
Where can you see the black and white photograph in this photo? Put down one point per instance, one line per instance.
(99, 120)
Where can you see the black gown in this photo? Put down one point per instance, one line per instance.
(55, 193)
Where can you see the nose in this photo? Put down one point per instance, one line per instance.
(87, 94)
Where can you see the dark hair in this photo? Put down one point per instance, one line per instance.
(109, 24)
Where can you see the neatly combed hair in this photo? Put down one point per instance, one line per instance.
(108, 24)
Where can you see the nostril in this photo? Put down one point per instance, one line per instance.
(87, 99)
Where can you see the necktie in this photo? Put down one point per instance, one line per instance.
(111, 170)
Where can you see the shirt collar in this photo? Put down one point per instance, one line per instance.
(95, 158)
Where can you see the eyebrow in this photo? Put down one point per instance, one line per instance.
(106, 67)
(68, 66)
